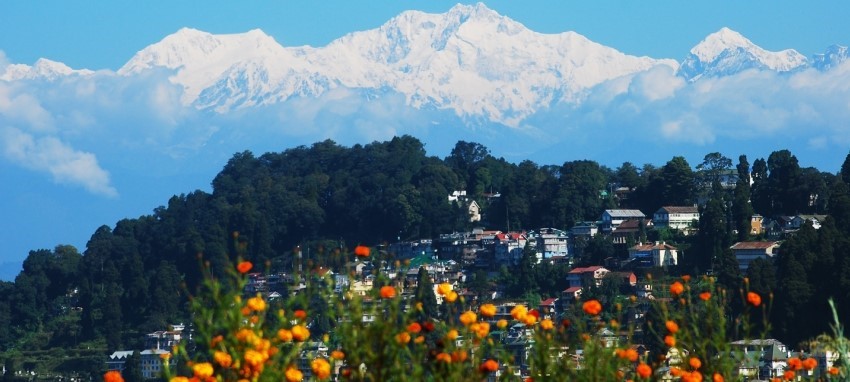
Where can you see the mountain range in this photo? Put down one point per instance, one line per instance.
(470, 60)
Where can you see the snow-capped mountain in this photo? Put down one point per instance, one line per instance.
(834, 56)
(470, 59)
(43, 69)
(727, 52)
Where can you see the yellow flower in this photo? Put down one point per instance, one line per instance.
(487, 310)
(546, 324)
(519, 312)
(451, 296)
(293, 375)
(468, 317)
(178, 379)
(529, 319)
(444, 289)
(254, 358)
(257, 304)
(501, 324)
(222, 358)
(481, 329)
(321, 368)
(300, 333)
(444, 357)
(402, 338)
(452, 334)
(203, 370)
(284, 335)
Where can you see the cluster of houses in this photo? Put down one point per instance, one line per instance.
(151, 359)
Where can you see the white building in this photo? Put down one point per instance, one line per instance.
(748, 251)
(611, 219)
(675, 217)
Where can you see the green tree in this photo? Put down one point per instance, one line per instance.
(677, 179)
(133, 368)
(742, 210)
(424, 293)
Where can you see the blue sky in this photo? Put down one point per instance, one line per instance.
(42, 209)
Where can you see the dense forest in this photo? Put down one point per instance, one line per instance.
(135, 277)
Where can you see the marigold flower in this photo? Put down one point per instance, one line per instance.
(459, 355)
(177, 379)
(630, 354)
(592, 307)
(338, 355)
(519, 312)
(300, 333)
(705, 296)
(222, 358)
(452, 334)
(692, 376)
(414, 327)
(547, 324)
(203, 370)
(833, 371)
(501, 324)
(677, 288)
(216, 340)
(387, 292)
(643, 370)
(444, 357)
(534, 313)
(717, 377)
(487, 310)
(467, 318)
(402, 338)
(529, 319)
(284, 335)
(489, 366)
(675, 371)
(789, 375)
(686, 278)
(444, 288)
(244, 267)
(451, 296)
(257, 304)
(481, 329)
(810, 363)
(361, 251)
(695, 362)
(794, 363)
(113, 376)
(293, 375)
(753, 298)
(300, 314)
(321, 368)
(670, 341)
(672, 326)
(428, 326)
(419, 339)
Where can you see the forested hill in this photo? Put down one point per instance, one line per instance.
(132, 278)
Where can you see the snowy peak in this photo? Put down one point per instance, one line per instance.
(42, 69)
(727, 52)
(834, 56)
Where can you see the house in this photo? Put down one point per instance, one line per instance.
(676, 217)
(116, 360)
(748, 251)
(547, 308)
(152, 362)
(658, 254)
(764, 359)
(580, 277)
(572, 293)
(756, 225)
(509, 248)
(629, 229)
(611, 219)
(551, 242)
(473, 209)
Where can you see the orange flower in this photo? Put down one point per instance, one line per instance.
(592, 307)
(387, 292)
(113, 376)
(489, 366)
(717, 377)
(546, 324)
(630, 354)
(177, 379)
(672, 326)
(753, 298)
(481, 329)
(300, 314)
(686, 278)
(677, 288)
(487, 310)
(529, 319)
(414, 327)
(695, 362)
(794, 363)
(452, 334)
(468, 318)
(501, 324)
(222, 358)
(670, 341)
(444, 357)
(361, 251)
(215, 341)
(705, 296)
(692, 376)
(284, 335)
(833, 371)
(321, 368)
(519, 312)
(256, 304)
(244, 267)
(789, 375)
(202, 370)
(451, 296)
(444, 288)
(402, 338)
(293, 375)
(459, 355)
(300, 333)
(810, 363)
(337, 355)
(643, 370)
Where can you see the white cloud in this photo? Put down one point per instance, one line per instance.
(62, 162)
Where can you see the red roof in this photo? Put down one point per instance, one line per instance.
(586, 269)
(572, 289)
(548, 301)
